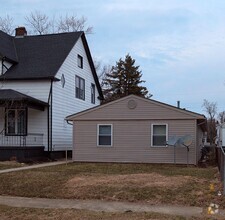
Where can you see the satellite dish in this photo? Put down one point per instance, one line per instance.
(172, 140)
(179, 142)
(184, 141)
(187, 140)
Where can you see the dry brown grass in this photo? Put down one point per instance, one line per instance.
(10, 164)
(7, 213)
(154, 184)
(140, 179)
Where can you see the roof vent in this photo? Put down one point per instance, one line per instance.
(21, 32)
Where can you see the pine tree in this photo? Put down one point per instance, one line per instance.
(123, 79)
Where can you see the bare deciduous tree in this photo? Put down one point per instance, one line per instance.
(101, 70)
(211, 109)
(72, 23)
(221, 117)
(6, 24)
(38, 22)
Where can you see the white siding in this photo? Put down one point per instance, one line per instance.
(64, 101)
(37, 124)
(7, 64)
(38, 89)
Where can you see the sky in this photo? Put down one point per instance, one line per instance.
(178, 44)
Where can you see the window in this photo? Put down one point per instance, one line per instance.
(16, 122)
(159, 134)
(104, 135)
(80, 61)
(93, 93)
(80, 88)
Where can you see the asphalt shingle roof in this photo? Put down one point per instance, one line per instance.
(7, 47)
(41, 56)
(12, 95)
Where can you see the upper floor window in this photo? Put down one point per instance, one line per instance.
(80, 88)
(16, 122)
(80, 61)
(159, 134)
(93, 93)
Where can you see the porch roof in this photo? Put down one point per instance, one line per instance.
(10, 95)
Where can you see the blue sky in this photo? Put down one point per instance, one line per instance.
(179, 44)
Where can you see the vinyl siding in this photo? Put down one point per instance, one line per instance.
(145, 109)
(7, 64)
(37, 124)
(38, 89)
(64, 100)
(132, 142)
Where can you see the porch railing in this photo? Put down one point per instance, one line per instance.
(32, 139)
(221, 165)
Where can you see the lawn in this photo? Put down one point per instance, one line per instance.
(153, 184)
(10, 164)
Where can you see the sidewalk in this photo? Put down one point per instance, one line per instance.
(98, 205)
(48, 164)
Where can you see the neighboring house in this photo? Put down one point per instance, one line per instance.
(43, 79)
(134, 129)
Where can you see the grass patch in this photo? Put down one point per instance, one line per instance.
(10, 164)
(8, 213)
(155, 184)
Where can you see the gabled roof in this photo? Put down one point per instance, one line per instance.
(40, 56)
(112, 107)
(7, 47)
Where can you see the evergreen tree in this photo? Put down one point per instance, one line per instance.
(123, 79)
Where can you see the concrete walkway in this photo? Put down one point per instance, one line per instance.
(48, 164)
(99, 205)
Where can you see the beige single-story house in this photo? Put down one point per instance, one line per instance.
(136, 130)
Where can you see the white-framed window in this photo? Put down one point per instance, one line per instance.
(80, 61)
(159, 135)
(80, 88)
(16, 122)
(93, 93)
(104, 136)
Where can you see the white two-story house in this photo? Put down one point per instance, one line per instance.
(43, 79)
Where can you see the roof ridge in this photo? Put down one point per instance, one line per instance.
(52, 34)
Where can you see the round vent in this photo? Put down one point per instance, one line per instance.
(132, 104)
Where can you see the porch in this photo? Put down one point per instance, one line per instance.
(21, 147)
(31, 139)
(23, 124)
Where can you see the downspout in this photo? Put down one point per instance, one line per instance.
(49, 118)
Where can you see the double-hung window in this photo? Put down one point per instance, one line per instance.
(93, 93)
(80, 88)
(104, 135)
(16, 122)
(159, 134)
(80, 61)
